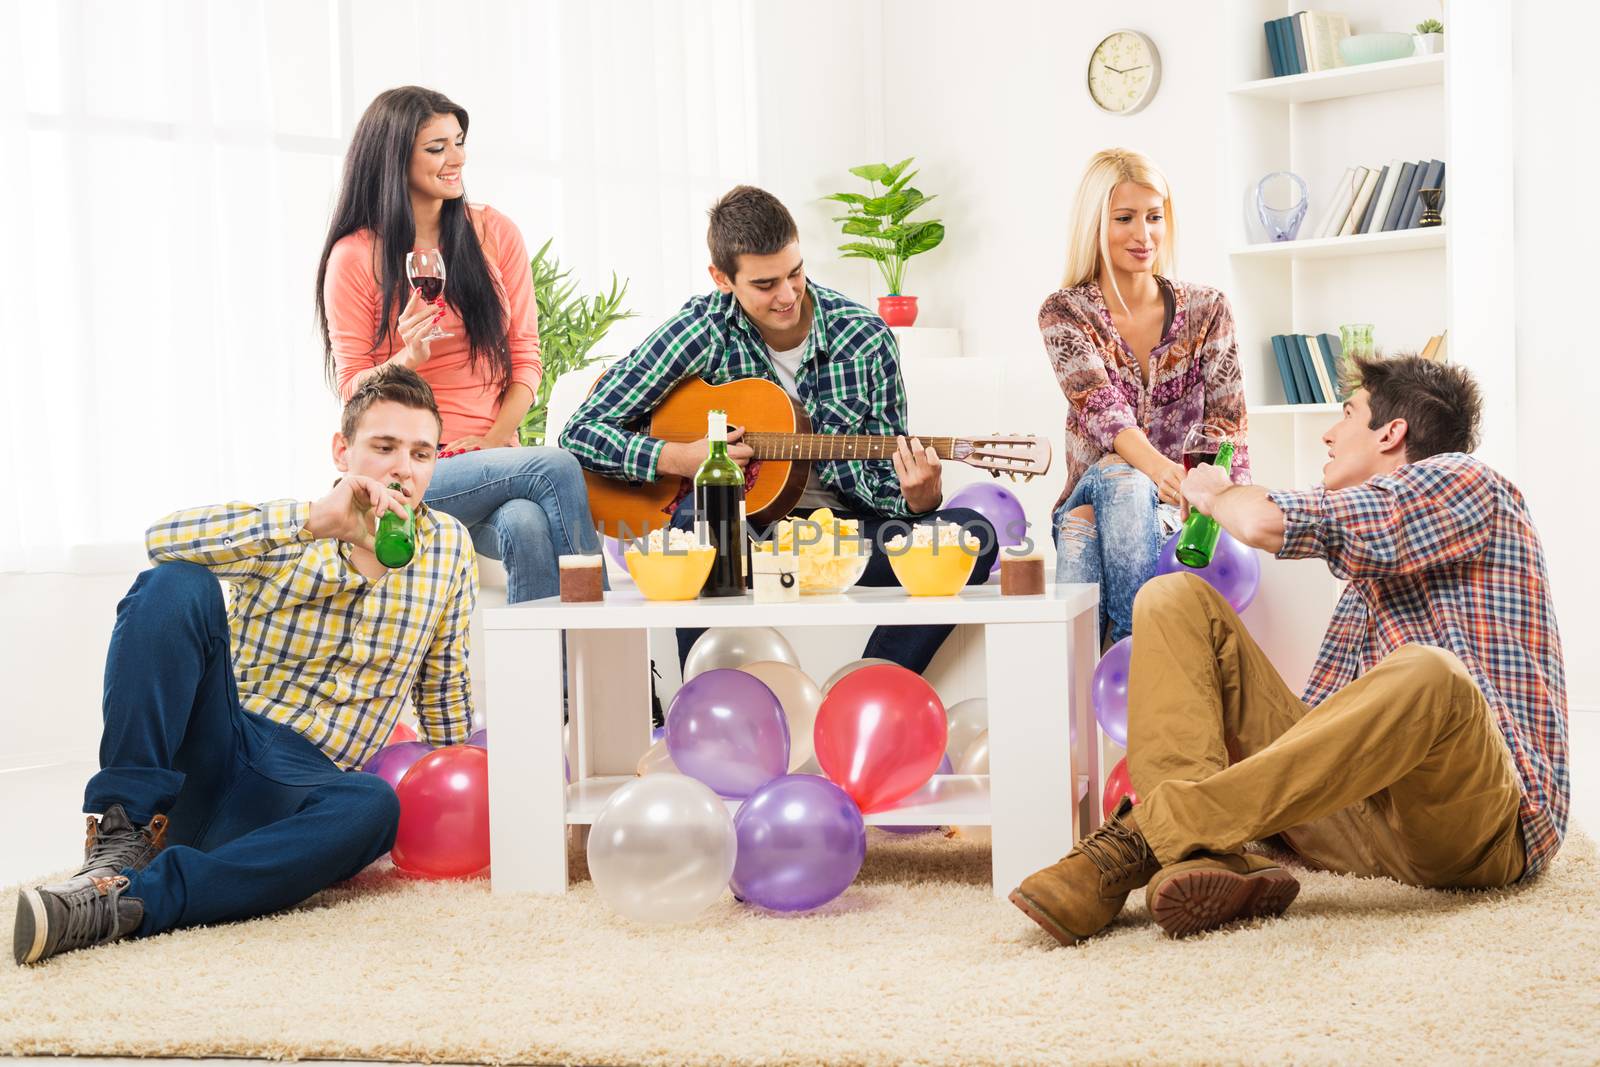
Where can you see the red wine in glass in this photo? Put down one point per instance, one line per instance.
(1191, 460)
(425, 268)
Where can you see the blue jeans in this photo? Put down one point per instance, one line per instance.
(912, 647)
(1118, 550)
(258, 818)
(524, 506)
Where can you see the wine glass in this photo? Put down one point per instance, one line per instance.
(1201, 443)
(425, 268)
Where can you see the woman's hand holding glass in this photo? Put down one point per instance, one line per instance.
(417, 320)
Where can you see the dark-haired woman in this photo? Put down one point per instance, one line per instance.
(402, 191)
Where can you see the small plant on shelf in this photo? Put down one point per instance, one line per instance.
(1430, 26)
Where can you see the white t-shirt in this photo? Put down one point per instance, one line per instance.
(787, 367)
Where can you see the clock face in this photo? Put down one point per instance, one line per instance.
(1124, 71)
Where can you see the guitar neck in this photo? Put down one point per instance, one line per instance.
(810, 446)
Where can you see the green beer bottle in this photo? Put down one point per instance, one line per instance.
(1198, 539)
(719, 511)
(396, 540)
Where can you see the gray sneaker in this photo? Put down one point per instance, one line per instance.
(113, 844)
(77, 913)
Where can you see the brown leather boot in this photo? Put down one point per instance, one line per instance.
(113, 844)
(1077, 897)
(1207, 891)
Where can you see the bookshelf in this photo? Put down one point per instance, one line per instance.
(1410, 284)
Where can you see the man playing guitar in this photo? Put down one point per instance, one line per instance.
(834, 357)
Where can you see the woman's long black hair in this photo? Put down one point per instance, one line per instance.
(375, 194)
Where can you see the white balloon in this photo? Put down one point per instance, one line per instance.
(968, 719)
(976, 758)
(662, 849)
(656, 761)
(734, 646)
(853, 665)
(800, 698)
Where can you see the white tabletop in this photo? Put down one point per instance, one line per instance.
(628, 610)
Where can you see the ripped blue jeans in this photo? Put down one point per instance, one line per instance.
(1118, 549)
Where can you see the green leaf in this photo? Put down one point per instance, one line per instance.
(924, 237)
(913, 200)
(862, 227)
(847, 198)
(872, 172)
(896, 170)
(860, 248)
(886, 204)
(902, 181)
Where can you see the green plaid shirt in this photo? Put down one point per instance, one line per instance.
(849, 384)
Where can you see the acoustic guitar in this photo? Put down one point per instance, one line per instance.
(779, 432)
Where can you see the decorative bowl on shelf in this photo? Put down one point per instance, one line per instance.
(670, 575)
(1376, 47)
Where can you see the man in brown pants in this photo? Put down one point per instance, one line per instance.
(1431, 743)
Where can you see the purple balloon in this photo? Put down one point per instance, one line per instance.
(1110, 689)
(1234, 570)
(393, 761)
(657, 733)
(615, 549)
(801, 842)
(726, 728)
(1000, 506)
(480, 738)
(944, 768)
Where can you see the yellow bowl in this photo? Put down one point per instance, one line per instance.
(824, 572)
(922, 572)
(670, 575)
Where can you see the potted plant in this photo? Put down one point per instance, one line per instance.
(1430, 37)
(890, 238)
(569, 327)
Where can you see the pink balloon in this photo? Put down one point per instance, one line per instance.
(444, 814)
(1110, 690)
(880, 734)
(1118, 785)
(402, 732)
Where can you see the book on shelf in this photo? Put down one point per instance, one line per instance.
(1358, 206)
(1311, 352)
(1399, 210)
(1297, 28)
(1280, 352)
(1298, 371)
(1372, 202)
(1345, 195)
(1326, 218)
(1432, 178)
(1324, 30)
(1380, 203)
(1297, 343)
(1332, 353)
(1274, 48)
(1435, 347)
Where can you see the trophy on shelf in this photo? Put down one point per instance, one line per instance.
(1432, 201)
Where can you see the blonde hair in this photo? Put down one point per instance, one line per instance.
(1091, 215)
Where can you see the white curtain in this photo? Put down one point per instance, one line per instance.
(171, 166)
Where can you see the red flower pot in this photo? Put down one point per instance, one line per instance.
(897, 310)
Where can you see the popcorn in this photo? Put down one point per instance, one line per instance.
(671, 541)
(948, 535)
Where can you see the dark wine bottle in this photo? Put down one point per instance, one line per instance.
(1198, 538)
(719, 511)
(396, 540)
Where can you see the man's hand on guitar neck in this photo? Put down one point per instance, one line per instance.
(683, 458)
(918, 469)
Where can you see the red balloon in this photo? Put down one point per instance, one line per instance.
(1118, 785)
(444, 814)
(880, 734)
(402, 732)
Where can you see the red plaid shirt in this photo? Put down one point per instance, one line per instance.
(1442, 552)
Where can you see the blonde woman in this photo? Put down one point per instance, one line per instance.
(1141, 357)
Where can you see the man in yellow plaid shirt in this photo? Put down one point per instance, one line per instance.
(229, 731)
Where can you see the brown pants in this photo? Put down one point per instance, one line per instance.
(1402, 773)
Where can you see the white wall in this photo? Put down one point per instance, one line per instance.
(1558, 375)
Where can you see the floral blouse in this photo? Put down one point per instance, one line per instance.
(1194, 375)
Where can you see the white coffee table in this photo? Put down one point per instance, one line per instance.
(1039, 654)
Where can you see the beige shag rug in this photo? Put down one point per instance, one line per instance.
(916, 964)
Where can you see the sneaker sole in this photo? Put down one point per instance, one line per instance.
(32, 927)
(1037, 914)
(1192, 902)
